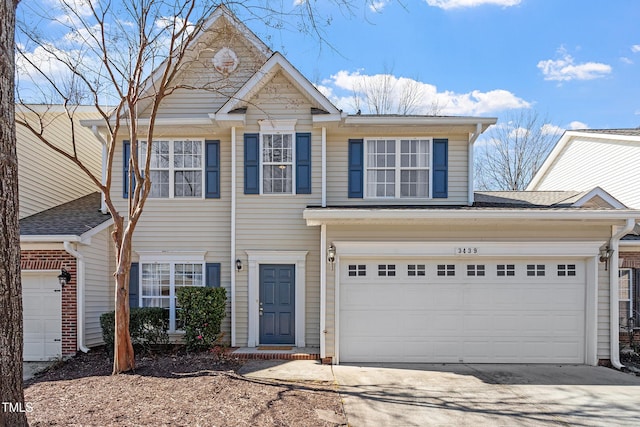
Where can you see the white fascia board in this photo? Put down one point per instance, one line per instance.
(322, 119)
(86, 236)
(315, 217)
(169, 121)
(419, 120)
(53, 238)
(229, 119)
(449, 249)
(599, 192)
(277, 61)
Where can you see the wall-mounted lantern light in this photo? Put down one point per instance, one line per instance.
(238, 265)
(605, 255)
(331, 255)
(64, 277)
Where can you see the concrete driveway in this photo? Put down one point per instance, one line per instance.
(487, 395)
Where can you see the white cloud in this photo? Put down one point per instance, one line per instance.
(565, 68)
(578, 125)
(377, 5)
(299, 2)
(459, 4)
(635, 48)
(347, 91)
(550, 129)
(626, 60)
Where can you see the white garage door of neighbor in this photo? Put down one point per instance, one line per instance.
(462, 311)
(42, 314)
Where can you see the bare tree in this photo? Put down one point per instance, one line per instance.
(513, 151)
(131, 58)
(12, 411)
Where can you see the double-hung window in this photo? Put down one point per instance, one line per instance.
(176, 168)
(625, 289)
(398, 168)
(160, 282)
(277, 163)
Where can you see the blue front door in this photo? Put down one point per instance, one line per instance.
(277, 304)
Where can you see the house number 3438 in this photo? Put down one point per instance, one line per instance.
(466, 251)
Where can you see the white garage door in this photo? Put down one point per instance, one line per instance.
(462, 311)
(42, 314)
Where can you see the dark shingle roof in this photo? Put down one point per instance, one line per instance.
(527, 199)
(71, 219)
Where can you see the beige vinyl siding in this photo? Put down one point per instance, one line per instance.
(604, 343)
(463, 231)
(589, 162)
(337, 165)
(46, 178)
(187, 224)
(274, 222)
(204, 89)
(99, 284)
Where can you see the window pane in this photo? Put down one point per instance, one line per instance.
(277, 179)
(188, 275)
(159, 183)
(156, 280)
(188, 184)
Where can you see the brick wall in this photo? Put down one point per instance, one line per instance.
(56, 260)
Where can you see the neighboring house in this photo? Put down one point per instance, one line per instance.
(61, 227)
(608, 158)
(360, 235)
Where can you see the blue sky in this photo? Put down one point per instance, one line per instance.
(575, 61)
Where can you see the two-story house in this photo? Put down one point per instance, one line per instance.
(61, 228)
(359, 235)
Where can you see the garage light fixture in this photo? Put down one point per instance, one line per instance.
(331, 255)
(605, 254)
(239, 264)
(64, 277)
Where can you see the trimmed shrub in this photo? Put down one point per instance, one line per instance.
(148, 327)
(200, 314)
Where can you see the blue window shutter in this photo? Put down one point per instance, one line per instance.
(440, 168)
(303, 163)
(213, 275)
(212, 169)
(134, 285)
(251, 163)
(126, 154)
(356, 168)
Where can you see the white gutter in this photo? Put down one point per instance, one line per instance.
(323, 291)
(614, 307)
(94, 129)
(233, 237)
(49, 238)
(324, 167)
(470, 168)
(79, 295)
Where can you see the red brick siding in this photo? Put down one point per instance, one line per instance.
(55, 260)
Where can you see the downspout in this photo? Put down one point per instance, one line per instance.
(614, 308)
(94, 129)
(233, 236)
(79, 295)
(470, 168)
(323, 291)
(324, 169)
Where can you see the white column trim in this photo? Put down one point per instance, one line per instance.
(591, 312)
(323, 290)
(324, 168)
(233, 237)
(257, 257)
(336, 313)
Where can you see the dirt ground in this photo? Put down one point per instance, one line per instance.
(174, 390)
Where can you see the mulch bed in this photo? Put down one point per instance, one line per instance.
(174, 390)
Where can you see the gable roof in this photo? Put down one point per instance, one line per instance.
(79, 218)
(627, 135)
(276, 63)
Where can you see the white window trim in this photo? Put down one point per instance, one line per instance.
(171, 258)
(630, 300)
(278, 127)
(172, 169)
(398, 168)
(257, 257)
